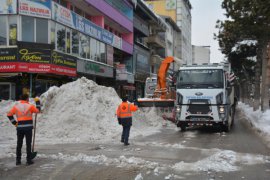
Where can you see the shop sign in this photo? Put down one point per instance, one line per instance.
(91, 29)
(93, 68)
(8, 54)
(63, 15)
(29, 55)
(63, 64)
(36, 8)
(8, 6)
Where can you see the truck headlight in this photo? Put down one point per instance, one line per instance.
(221, 109)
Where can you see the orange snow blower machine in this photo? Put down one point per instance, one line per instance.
(163, 95)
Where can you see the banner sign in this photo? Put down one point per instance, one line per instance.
(27, 59)
(8, 54)
(36, 8)
(73, 20)
(63, 15)
(29, 55)
(8, 6)
(63, 64)
(89, 67)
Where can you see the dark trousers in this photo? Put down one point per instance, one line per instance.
(125, 134)
(28, 137)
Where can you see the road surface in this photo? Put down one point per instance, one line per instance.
(170, 154)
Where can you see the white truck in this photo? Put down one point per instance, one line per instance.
(204, 96)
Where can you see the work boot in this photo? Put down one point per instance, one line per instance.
(126, 144)
(29, 162)
(122, 140)
(18, 163)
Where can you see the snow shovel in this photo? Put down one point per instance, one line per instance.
(34, 153)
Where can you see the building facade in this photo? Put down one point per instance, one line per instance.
(200, 54)
(46, 43)
(180, 12)
(149, 44)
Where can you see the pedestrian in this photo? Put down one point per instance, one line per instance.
(124, 115)
(24, 123)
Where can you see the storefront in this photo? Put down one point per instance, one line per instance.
(32, 68)
(141, 58)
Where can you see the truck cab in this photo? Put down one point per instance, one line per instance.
(204, 96)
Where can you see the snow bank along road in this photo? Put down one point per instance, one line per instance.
(78, 137)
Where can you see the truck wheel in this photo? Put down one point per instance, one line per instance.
(233, 113)
(183, 128)
(227, 127)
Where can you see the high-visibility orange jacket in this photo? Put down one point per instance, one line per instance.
(23, 111)
(125, 109)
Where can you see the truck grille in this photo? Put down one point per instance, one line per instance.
(198, 106)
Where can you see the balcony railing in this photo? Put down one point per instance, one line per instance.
(156, 41)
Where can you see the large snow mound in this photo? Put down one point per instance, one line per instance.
(82, 111)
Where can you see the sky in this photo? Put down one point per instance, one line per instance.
(204, 14)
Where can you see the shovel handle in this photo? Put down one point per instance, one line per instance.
(34, 135)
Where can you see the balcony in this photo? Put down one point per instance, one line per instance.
(123, 75)
(156, 41)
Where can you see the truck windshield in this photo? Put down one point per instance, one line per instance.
(200, 78)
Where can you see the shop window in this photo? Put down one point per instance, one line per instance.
(28, 29)
(3, 31)
(93, 48)
(42, 30)
(68, 41)
(102, 53)
(75, 42)
(84, 46)
(61, 33)
(12, 23)
(53, 34)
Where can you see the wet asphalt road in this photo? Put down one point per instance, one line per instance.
(152, 156)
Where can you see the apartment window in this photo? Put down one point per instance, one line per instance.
(93, 48)
(3, 31)
(42, 30)
(12, 24)
(61, 33)
(97, 52)
(53, 33)
(68, 40)
(84, 46)
(102, 53)
(28, 27)
(75, 42)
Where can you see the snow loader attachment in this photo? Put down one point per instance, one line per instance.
(162, 95)
(144, 102)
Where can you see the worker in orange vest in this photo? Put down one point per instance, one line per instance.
(24, 123)
(124, 115)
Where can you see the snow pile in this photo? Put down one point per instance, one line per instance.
(222, 161)
(77, 112)
(259, 120)
(7, 130)
(82, 111)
